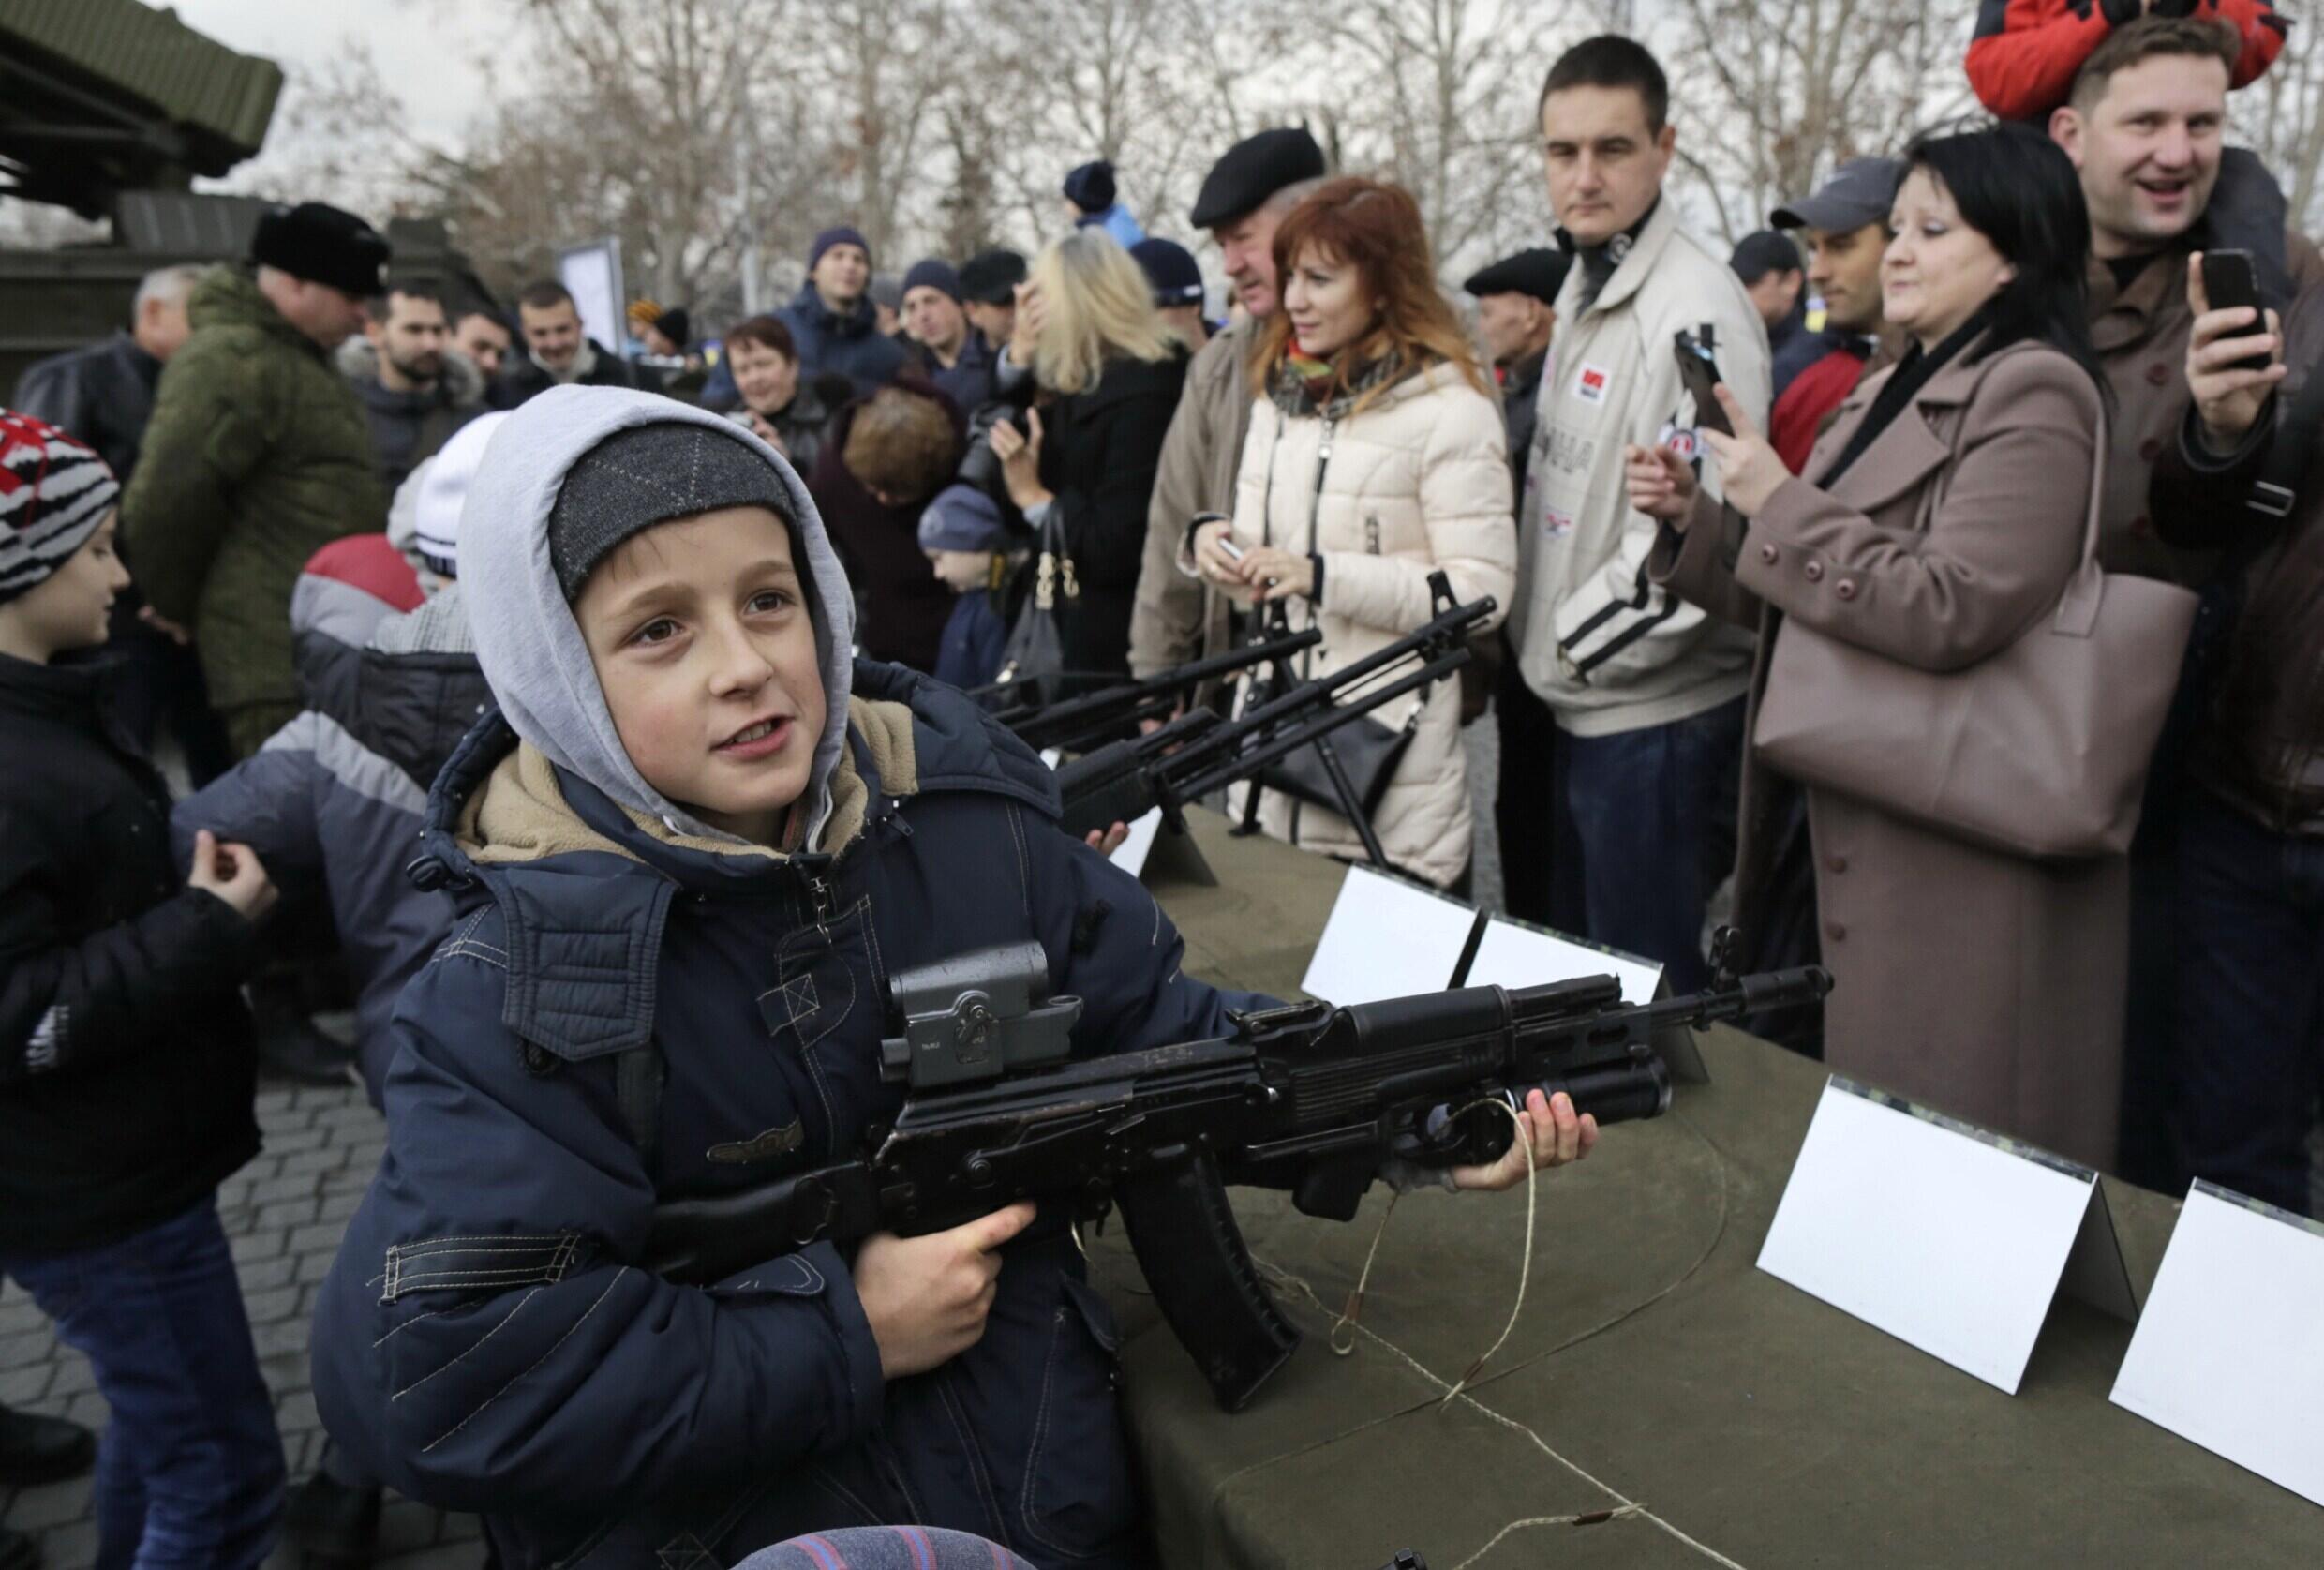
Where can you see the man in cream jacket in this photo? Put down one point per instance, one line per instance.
(1646, 692)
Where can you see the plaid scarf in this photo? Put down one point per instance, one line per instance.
(1304, 385)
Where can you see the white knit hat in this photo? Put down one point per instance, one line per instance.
(444, 483)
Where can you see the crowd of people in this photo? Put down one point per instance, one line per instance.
(572, 685)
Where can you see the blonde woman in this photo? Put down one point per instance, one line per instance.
(1376, 456)
(1107, 375)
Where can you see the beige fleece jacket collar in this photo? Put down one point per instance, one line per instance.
(521, 814)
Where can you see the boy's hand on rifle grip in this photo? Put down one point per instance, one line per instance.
(927, 1298)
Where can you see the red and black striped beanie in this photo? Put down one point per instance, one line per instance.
(53, 493)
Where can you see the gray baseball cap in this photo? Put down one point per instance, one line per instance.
(1861, 191)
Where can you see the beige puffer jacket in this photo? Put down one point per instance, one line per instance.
(1416, 482)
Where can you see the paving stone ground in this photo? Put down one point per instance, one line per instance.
(283, 1214)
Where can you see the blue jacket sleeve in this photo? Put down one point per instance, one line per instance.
(484, 1340)
(267, 801)
(1109, 945)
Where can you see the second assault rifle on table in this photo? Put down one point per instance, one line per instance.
(1306, 1098)
(1199, 753)
(1075, 723)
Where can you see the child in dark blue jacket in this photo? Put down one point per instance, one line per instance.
(690, 852)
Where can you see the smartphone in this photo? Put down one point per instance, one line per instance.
(2229, 281)
(1225, 541)
(1699, 371)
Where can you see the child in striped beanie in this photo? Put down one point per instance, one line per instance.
(56, 496)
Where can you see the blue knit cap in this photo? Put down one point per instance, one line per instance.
(963, 517)
(934, 273)
(840, 235)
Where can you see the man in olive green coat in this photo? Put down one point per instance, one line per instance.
(257, 457)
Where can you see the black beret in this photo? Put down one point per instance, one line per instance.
(990, 278)
(322, 244)
(1254, 170)
(1540, 272)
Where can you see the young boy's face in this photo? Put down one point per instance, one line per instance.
(68, 608)
(961, 571)
(704, 648)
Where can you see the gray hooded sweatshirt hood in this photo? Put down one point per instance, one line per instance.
(527, 639)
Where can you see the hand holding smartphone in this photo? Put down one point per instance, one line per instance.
(1699, 371)
(2229, 281)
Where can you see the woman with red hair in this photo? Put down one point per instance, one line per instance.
(1376, 456)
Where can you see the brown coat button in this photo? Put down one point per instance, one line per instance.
(1845, 588)
(2141, 525)
(1837, 863)
(1814, 571)
(2158, 373)
(2149, 449)
(1766, 554)
(1836, 931)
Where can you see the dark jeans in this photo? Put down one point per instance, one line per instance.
(1521, 804)
(190, 1470)
(2250, 1002)
(1647, 832)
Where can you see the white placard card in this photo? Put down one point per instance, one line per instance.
(1130, 855)
(1945, 1236)
(1388, 939)
(2229, 1351)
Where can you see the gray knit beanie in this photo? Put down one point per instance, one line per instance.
(648, 474)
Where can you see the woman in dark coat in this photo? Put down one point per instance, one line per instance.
(1109, 374)
(1939, 518)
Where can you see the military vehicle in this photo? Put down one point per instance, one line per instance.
(111, 108)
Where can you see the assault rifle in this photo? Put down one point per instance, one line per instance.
(1075, 723)
(1199, 753)
(1303, 1096)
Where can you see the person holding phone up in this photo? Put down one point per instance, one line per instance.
(1941, 517)
(2248, 1042)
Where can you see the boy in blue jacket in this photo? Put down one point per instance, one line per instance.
(690, 851)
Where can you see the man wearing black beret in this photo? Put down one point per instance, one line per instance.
(257, 457)
(1516, 308)
(1248, 193)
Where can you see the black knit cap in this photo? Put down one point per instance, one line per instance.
(1254, 170)
(990, 278)
(1539, 272)
(648, 474)
(1090, 187)
(322, 245)
(1761, 253)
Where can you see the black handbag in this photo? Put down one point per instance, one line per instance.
(1035, 649)
(1369, 752)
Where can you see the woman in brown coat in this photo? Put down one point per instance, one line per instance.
(1944, 519)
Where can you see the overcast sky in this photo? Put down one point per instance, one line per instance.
(425, 48)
